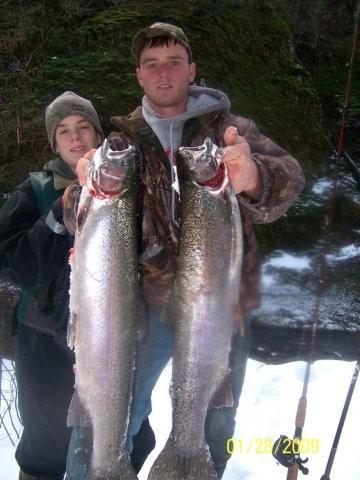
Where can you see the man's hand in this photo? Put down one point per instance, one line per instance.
(82, 165)
(242, 170)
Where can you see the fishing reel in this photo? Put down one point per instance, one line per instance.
(287, 452)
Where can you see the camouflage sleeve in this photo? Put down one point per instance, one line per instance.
(282, 176)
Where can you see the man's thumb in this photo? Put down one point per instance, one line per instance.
(232, 137)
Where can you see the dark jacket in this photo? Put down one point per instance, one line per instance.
(282, 179)
(32, 254)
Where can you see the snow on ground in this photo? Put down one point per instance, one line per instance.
(8, 465)
(267, 409)
(280, 259)
(345, 253)
(322, 186)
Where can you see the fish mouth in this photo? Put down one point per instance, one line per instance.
(116, 144)
(204, 164)
(217, 184)
(110, 165)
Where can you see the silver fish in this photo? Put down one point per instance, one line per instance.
(104, 307)
(204, 297)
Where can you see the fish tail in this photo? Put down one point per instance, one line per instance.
(125, 469)
(172, 464)
(122, 471)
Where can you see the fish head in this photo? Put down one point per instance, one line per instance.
(111, 163)
(201, 163)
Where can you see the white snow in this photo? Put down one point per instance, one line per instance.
(8, 466)
(322, 186)
(286, 260)
(282, 260)
(345, 253)
(267, 409)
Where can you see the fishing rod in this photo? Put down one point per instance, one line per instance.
(340, 151)
(335, 444)
(340, 144)
(287, 451)
(344, 120)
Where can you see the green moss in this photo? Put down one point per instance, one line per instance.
(249, 56)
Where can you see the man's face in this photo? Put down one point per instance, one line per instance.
(74, 136)
(164, 73)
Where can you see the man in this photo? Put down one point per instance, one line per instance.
(266, 179)
(34, 250)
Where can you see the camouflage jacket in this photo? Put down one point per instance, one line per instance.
(282, 179)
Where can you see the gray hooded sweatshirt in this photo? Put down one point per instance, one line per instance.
(201, 100)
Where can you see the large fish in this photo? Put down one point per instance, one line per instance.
(204, 296)
(104, 307)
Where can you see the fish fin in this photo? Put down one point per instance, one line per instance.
(123, 470)
(223, 396)
(77, 413)
(172, 465)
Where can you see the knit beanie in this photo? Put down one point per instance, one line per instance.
(69, 103)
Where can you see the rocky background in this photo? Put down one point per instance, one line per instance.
(283, 63)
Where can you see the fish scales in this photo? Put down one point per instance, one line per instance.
(104, 307)
(204, 296)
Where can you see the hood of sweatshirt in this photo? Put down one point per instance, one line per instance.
(169, 130)
(63, 175)
(201, 100)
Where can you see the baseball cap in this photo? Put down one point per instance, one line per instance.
(158, 29)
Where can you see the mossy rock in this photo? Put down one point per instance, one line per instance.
(247, 55)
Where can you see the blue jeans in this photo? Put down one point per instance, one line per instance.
(154, 351)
